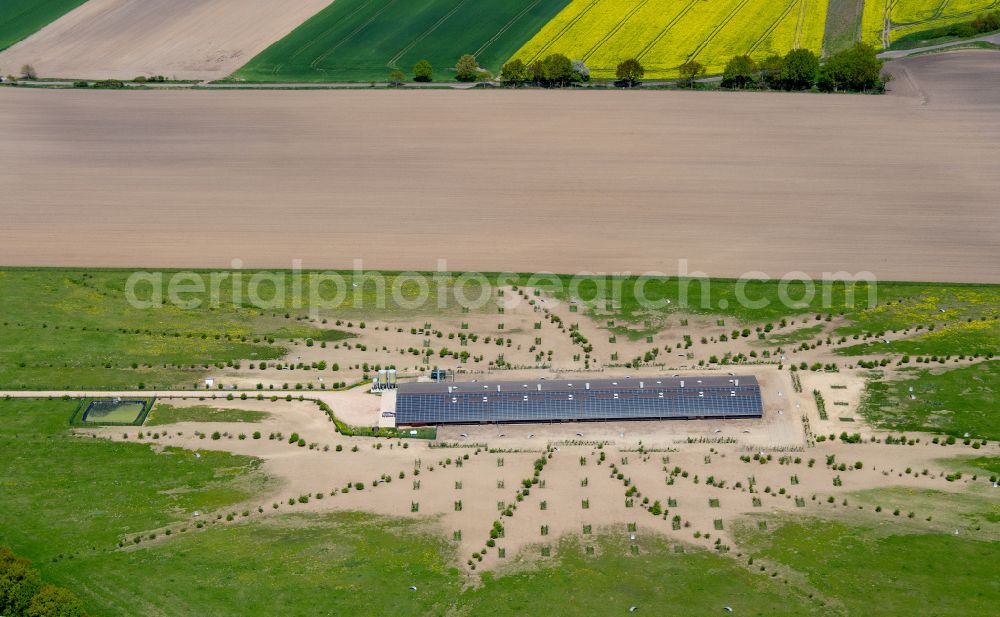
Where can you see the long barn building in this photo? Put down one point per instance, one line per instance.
(656, 398)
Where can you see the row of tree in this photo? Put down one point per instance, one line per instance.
(23, 594)
(857, 69)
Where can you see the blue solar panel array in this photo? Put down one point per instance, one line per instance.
(505, 403)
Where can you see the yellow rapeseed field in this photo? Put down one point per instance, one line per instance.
(908, 16)
(663, 34)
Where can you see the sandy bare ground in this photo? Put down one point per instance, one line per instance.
(904, 185)
(577, 488)
(180, 39)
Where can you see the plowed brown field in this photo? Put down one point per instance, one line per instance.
(180, 39)
(904, 185)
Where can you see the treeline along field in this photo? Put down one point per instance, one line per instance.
(362, 40)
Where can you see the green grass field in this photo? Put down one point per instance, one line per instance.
(22, 18)
(164, 413)
(74, 329)
(856, 568)
(362, 40)
(89, 336)
(77, 498)
(990, 464)
(68, 496)
(953, 401)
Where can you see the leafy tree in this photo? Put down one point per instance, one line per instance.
(769, 70)
(396, 77)
(423, 71)
(986, 22)
(514, 72)
(467, 68)
(799, 69)
(856, 69)
(581, 71)
(690, 71)
(19, 583)
(629, 72)
(739, 72)
(558, 69)
(28, 72)
(52, 601)
(537, 72)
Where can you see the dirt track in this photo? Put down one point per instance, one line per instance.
(180, 39)
(903, 185)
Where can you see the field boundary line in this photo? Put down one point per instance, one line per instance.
(774, 25)
(564, 30)
(426, 33)
(859, 27)
(350, 36)
(718, 28)
(618, 26)
(507, 26)
(662, 33)
(333, 27)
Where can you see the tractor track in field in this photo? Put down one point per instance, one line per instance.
(774, 25)
(507, 26)
(666, 29)
(392, 61)
(800, 25)
(613, 31)
(718, 29)
(315, 63)
(301, 50)
(569, 25)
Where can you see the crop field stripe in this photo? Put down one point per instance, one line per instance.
(859, 28)
(315, 63)
(715, 31)
(666, 29)
(613, 31)
(507, 26)
(777, 22)
(316, 39)
(392, 61)
(569, 25)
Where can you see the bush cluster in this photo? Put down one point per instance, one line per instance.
(23, 594)
(554, 70)
(857, 69)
